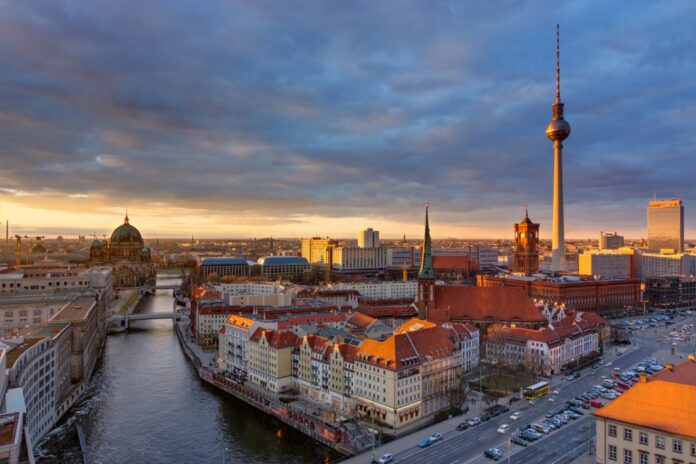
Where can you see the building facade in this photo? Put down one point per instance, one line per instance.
(610, 241)
(284, 267)
(368, 238)
(318, 250)
(604, 263)
(223, 266)
(666, 225)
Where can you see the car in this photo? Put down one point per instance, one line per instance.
(573, 415)
(503, 428)
(473, 421)
(385, 459)
(608, 364)
(555, 392)
(486, 418)
(617, 369)
(518, 441)
(576, 411)
(515, 415)
(600, 362)
(549, 414)
(531, 435)
(493, 453)
(595, 366)
(552, 399)
(541, 428)
(462, 426)
(435, 437)
(425, 443)
(550, 424)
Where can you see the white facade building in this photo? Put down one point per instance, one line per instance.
(381, 290)
(368, 238)
(605, 263)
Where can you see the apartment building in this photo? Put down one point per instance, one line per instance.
(270, 359)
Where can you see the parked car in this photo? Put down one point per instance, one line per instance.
(462, 426)
(503, 428)
(473, 421)
(518, 441)
(385, 459)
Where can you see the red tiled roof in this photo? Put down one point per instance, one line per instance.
(450, 262)
(275, 338)
(504, 304)
(388, 311)
(412, 325)
(360, 320)
(552, 334)
(684, 372)
(408, 348)
(316, 343)
(657, 404)
(348, 351)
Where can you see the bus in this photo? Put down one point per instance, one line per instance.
(537, 390)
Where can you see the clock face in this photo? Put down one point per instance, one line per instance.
(523, 235)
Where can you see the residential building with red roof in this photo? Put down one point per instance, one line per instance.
(270, 359)
(546, 350)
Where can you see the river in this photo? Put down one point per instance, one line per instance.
(146, 404)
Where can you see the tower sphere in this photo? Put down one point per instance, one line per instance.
(558, 130)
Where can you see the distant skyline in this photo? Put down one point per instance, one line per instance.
(260, 118)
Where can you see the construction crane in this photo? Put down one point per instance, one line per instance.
(18, 249)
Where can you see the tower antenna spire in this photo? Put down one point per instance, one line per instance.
(558, 63)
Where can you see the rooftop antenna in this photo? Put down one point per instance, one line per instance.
(525, 205)
(558, 63)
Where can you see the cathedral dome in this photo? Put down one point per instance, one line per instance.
(126, 233)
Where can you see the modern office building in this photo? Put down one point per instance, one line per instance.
(610, 241)
(605, 263)
(318, 250)
(368, 238)
(359, 260)
(666, 225)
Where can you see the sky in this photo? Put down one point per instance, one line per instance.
(287, 119)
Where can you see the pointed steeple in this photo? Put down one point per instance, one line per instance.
(125, 221)
(426, 267)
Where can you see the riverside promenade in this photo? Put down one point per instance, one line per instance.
(294, 413)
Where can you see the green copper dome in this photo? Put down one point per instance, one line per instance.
(126, 233)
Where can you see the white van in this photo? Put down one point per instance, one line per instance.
(608, 383)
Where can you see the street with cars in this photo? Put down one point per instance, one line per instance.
(553, 429)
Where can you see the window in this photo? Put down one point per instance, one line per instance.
(628, 456)
(659, 459)
(677, 446)
(659, 442)
(612, 453)
(612, 430)
(644, 458)
(628, 434)
(693, 449)
(643, 438)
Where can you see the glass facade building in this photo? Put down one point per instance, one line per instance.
(666, 225)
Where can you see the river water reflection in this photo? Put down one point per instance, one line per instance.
(146, 404)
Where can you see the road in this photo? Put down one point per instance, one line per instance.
(558, 447)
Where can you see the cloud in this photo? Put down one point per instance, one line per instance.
(339, 110)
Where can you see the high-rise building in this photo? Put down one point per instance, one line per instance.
(317, 250)
(557, 131)
(610, 241)
(526, 247)
(368, 238)
(606, 263)
(666, 225)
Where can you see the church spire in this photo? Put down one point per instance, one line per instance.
(126, 218)
(426, 267)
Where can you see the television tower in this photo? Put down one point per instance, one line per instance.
(557, 131)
